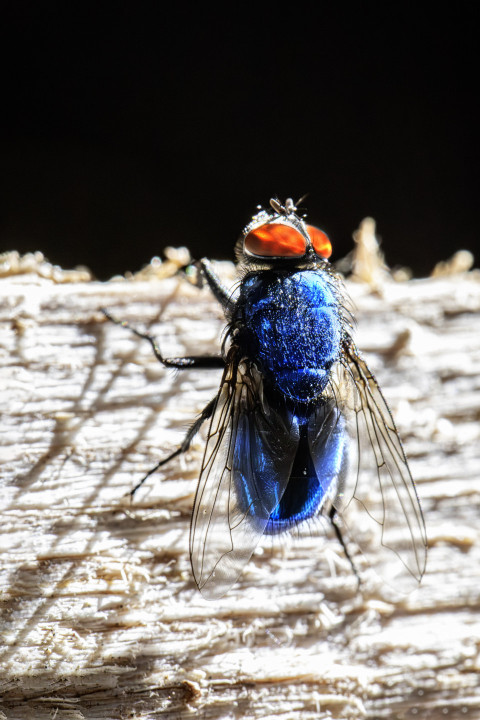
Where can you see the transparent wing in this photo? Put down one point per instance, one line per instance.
(392, 529)
(329, 446)
(246, 467)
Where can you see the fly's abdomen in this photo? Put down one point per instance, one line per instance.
(294, 319)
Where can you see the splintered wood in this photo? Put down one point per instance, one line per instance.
(100, 615)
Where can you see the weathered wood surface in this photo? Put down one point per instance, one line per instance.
(100, 616)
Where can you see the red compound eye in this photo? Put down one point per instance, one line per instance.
(276, 240)
(321, 243)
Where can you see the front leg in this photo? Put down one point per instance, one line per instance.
(222, 293)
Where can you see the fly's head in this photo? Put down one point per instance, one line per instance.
(279, 238)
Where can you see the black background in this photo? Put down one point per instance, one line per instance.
(129, 128)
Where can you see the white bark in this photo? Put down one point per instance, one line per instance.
(100, 616)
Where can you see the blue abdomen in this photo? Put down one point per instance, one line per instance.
(294, 329)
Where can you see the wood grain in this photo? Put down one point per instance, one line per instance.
(100, 616)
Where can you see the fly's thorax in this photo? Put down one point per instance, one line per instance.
(289, 323)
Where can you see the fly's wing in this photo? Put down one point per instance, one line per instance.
(246, 467)
(329, 446)
(393, 525)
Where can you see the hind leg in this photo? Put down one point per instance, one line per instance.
(187, 440)
(338, 533)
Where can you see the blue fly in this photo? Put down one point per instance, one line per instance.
(299, 427)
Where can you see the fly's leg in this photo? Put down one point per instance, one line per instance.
(181, 363)
(222, 293)
(205, 272)
(187, 440)
(338, 533)
(194, 361)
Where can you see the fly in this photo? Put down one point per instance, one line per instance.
(299, 426)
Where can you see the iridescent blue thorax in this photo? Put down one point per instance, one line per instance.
(291, 326)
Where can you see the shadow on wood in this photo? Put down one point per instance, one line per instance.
(100, 615)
